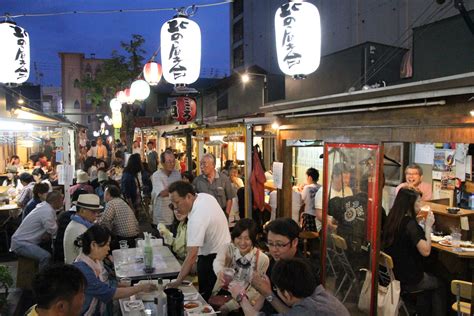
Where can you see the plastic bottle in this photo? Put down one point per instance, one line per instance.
(148, 254)
(161, 300)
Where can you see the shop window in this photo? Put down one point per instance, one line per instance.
(238, 30)
(238, 7)
(77, 104)
(238, 56)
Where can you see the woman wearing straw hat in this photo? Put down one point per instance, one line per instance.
(82, 182)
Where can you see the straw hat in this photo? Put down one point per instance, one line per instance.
(82, 176)
(88, 201)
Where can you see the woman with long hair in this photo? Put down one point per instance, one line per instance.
(95, 244)
(407, 243)
(130, 183)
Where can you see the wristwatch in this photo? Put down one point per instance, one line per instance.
(269, 298)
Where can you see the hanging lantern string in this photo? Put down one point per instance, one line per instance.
(187, 11)
(193, 10)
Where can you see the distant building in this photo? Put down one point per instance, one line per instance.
(344, 24)
(52, 100)
(75, 67)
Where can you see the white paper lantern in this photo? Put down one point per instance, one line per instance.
(152, 72)
(181, 50)
(121, 97)
(14, 54)
(139, 90)
(298, 38)
(115, 105)
(117, 119)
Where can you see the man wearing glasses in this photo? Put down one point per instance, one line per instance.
(414, 179)
(282, 242)
(207, 233)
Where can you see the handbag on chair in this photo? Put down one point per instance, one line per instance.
(388, 297)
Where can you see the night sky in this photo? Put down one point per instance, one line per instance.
(102, 33)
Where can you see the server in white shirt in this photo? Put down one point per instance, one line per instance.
(207, 232)
(39, 226)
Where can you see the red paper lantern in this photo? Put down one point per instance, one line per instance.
(152, 72)
(183, 109)
(128, 96)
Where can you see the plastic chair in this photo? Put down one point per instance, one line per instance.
(305, 236)
(386, 276)
(340, 247)
(462, 289)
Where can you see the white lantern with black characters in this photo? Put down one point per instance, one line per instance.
(298, 38)
(181, 50)
(14, 54)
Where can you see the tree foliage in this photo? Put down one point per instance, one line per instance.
(116, 73)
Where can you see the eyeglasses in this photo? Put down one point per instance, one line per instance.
(277, 245)
(171, 206)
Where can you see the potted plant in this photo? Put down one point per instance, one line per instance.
(6, 280)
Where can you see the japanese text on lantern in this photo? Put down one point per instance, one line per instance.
(20, 57)
(292, 57)
(178, 70)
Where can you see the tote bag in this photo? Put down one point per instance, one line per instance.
(388, 297)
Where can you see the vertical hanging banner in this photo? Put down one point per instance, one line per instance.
(298, 38)
(15, 53)
(181, 50)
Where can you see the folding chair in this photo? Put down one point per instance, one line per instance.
(386, 276)
(340, 247)
(462, 289)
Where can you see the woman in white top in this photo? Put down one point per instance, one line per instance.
(242, 256)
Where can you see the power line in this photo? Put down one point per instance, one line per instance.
(392, 53)
(206, 5)
(401, 40)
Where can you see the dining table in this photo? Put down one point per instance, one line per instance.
(150, 308)
(129, 263)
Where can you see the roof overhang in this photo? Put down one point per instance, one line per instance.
(427, 89)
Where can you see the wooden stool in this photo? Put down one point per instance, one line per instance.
(27, 269)
(305, 236)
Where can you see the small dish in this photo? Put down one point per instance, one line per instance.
(133, 305)
(192, 306)
(191, 296)
(445, 243)
(453, 210)
(207, 309)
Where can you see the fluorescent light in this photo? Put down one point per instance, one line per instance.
(15, 126)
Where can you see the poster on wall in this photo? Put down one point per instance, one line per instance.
(443, 160)
(277, 170)
(424, 153)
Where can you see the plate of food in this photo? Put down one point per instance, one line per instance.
(192, 306)
(446, 243)
(207, 309)
(435, 238)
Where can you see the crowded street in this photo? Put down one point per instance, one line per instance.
(237, 157)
